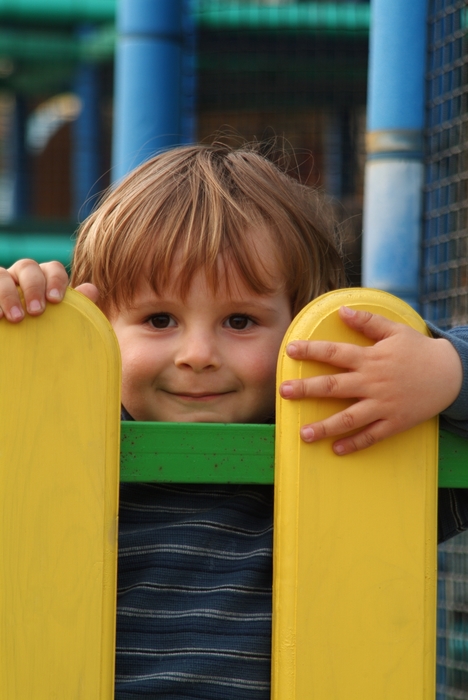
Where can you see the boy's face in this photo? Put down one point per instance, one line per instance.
(209, 358)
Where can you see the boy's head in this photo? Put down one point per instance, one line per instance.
(197, 206)
(202, 256)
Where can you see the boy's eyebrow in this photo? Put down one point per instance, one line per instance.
(245, 304)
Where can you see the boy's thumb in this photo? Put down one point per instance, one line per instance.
(89, 290)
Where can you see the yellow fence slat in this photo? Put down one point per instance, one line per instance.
(59, 461)
(354, 597)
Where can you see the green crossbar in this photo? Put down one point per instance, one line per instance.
(235, 453)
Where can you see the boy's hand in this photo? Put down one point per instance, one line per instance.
(39, 283)
(402, 380)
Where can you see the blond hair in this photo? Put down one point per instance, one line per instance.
(195, 205)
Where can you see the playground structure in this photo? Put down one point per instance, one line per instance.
(397, 119)
(61, 433)
(297, 70)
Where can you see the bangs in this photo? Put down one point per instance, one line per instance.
(204, 208)
(219, 254)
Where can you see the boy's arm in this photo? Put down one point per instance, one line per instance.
(455, 416)
(452, 510)
(39, 283)
(403, 379)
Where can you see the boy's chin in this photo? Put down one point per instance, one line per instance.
(206, 417)
(221, 409)
(201, 417)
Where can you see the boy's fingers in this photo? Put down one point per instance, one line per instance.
(359, 415)
(338, 424)
(38, 284)
(341, 386)
(360, 441)
(56, 280)
(32, 282)
(10, 304)
(344, 355)
(373, 326)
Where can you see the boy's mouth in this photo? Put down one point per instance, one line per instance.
(202, 396)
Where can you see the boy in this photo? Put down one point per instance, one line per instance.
(200, 258)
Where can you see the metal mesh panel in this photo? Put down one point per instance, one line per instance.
(445, 244)
(445, 285)
(452, 621)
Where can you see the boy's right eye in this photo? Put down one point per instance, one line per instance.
(161, 321)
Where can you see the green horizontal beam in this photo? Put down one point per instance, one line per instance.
(55, 11)
(34, 45)
(42, 45)
(453, 460)
(311, 16)
(237, 454)
(38, 246)
(197, 452)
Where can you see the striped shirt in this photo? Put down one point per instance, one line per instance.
(194, 592)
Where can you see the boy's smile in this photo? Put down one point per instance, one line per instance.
(210, 357)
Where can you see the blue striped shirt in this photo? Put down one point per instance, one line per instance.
(194, 592)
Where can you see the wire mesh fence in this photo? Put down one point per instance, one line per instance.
(452, 621)
(445, 240)
(445, 284)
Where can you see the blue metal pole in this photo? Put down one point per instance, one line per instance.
(394, 169)
(86, 142)
(20, 193)
(148, 80)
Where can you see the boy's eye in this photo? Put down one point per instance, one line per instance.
(239, 322)
(161, 321)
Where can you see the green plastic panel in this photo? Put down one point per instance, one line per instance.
(197, 452)
(453, 460)
(41, 247)
(236, 454)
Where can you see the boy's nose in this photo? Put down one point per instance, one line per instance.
(197, 352)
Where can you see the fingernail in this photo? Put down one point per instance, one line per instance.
(307, 434)
(34, 306)
(348, 312)
(16, 313)
(291, 349)
(286, 390)
(338, 449)
(54, 294)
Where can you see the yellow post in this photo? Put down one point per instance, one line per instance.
(59, 467)
(354, 599)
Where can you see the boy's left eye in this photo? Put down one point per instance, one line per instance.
(161, 321)
(238, 322)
